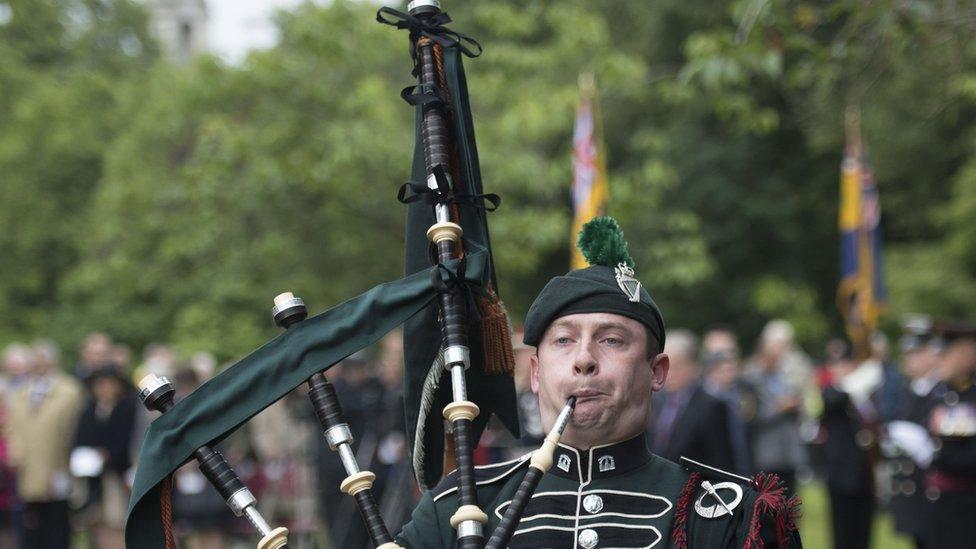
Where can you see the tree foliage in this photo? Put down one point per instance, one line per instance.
(168, 203)
(63, 66)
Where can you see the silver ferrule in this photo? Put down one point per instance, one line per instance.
(457, 354)
(285, 303)
(240, 500)
(348, 459)
(414, 5)
(469, 528)
(340, 434)
(563, 420)
(442, 212)
(458, 389)
(257, 520)
(150, 383)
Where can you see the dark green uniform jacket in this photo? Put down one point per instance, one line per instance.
(618, 495)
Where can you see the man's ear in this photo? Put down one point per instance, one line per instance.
(659, 371)
(534, 372)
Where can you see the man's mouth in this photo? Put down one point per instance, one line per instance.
(584, 394)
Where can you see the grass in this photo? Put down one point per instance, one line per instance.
(815, 524)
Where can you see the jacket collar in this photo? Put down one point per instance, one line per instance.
(602, 461)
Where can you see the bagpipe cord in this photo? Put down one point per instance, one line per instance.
(166, 503)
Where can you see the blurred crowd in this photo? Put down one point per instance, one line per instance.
(879, 433)
(71, 432)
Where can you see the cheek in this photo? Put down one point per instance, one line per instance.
(638, 375)
(539, 379)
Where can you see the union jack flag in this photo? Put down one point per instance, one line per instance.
(591, 191)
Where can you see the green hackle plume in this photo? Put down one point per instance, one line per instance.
(602, 243)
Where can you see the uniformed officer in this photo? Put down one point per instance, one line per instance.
(904, 443)
(950, 482)
(598, 336)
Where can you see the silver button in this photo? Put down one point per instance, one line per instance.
(864, 438)
(593, 504)
(588, 539)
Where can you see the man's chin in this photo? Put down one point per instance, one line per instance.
(590, 418)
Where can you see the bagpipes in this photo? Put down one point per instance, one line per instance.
(453, 322)
(156, 393)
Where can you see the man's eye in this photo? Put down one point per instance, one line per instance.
(612, 341)
(562, 340)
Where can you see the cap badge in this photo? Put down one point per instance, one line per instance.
(628, 284)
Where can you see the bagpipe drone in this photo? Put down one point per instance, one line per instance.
(454, 325)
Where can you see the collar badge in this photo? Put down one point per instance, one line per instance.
(606, 463)
(563, 463)
(628, 284)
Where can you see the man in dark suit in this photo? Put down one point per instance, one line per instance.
(686, 421)
(848, 428)
(904, 457)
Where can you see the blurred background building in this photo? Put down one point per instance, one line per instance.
(180, 26)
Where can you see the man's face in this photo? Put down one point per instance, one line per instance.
(959, 360)
(97, 349)
(918, 362)
(723, 374)
(720, 341)
(16, 363)
(602, 359)
(773, 349)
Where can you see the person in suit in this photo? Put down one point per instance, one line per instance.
(689, 422)
(848, 430)
(48, 405)
(909, 508)
(107, 426)
(782, 378)
(722, 359)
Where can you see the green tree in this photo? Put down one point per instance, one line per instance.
(62, 64)
(172, 204)
(755, 120)
(231, 184)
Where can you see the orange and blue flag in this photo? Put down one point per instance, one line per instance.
(591, 190)
(862, 293)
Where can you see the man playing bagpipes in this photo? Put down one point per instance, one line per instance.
(458, 363)
(598, 337)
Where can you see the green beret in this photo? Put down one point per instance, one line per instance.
(606, 286)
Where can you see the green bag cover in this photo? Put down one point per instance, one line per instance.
(421, 334)
(220, 406)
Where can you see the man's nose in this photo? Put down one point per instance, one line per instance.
(585, 362)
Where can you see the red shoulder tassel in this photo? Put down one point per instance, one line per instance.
(772, 499)
(679, 536)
